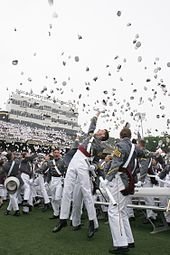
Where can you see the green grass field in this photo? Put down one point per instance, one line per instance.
(31, 235)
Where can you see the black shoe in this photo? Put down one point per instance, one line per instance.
(17, 213)
(45, 208)
(91, 229)
(7, 212)
(119, 250)
(62, 224)
(53, 217)
(25, 203)
(76, 228)
(132, 219)
(131, 245)
(26, 213)
(96, 230)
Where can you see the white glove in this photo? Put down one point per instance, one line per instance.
(31, 181)
(104, 183)
(157, 178)
(139, 184)
(92, 168)
(46, 185)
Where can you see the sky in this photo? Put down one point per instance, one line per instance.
(100, 54)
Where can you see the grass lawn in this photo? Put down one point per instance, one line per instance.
(31, 235)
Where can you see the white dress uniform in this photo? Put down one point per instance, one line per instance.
(40, 182)
(26, 187)
(56, 188)
(77, 206)
(78, 168)
(118, 218)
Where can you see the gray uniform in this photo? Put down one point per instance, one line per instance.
(55, 174)
(118, 182)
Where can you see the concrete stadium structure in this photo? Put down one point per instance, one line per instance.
(39, 111)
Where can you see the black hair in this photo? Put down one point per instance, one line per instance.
(142, 142)
(134, 141)
(106, 137)
(56, 149)
(9, 155)
(125, 132)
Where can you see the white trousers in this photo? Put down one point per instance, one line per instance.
(118, 218)
(40, 183)
(26, 187)
(3, 192)
(78, 168)
(56, 189)
(130, 211)
(13, 202)
(77, 206)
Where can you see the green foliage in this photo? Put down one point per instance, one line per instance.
(153, 142)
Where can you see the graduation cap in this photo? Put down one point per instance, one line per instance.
(119, 67)
(138, 44)
(127, 125)
(64, 83)
(162, 107)
(80, 37)
(95, 78)
(119, 13)
(104, 102)
(76, 58)
(15, 62)
(139, 58)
